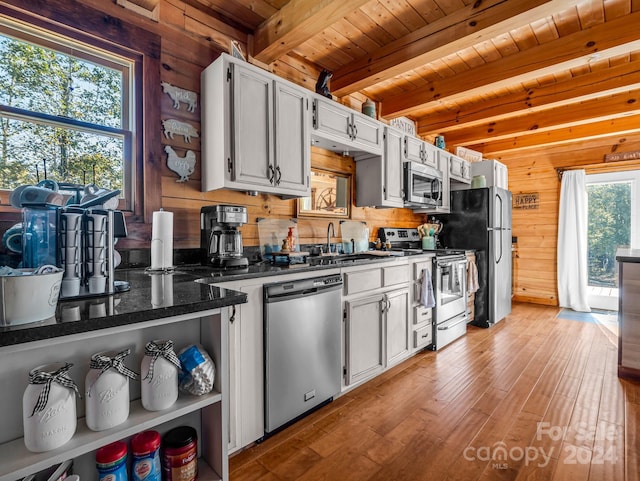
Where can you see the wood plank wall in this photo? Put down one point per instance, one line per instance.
(535, 271)
(191, 40)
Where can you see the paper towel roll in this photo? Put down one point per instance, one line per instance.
(162, 240)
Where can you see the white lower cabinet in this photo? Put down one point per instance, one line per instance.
(397, 326)
(246, 369)
(206, 413)
(376, 315)
(364, 338)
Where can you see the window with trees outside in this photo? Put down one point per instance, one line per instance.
(613, 222)
(65, 111)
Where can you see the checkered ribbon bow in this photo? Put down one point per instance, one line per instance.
(104, 363)
(156, 349)
(46, 378)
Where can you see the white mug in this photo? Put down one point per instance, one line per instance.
(97, 284)
(70, 287)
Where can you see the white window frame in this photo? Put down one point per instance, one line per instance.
(28, 33)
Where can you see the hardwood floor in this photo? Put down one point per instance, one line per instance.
(533, 398)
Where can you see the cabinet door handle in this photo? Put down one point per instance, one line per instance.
(233, 314)
(355, 132)
(271, 174)
(279, 175)
(383, 305)
(425, 335)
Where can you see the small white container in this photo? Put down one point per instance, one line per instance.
(160, 391)
(106, 396)
(28, 298)
(56, 423)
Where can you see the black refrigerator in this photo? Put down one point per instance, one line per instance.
(480, 219)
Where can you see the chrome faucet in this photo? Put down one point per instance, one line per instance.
(330, 231)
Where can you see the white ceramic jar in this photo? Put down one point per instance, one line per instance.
(107, 390)
(159, 373)
(49, 413)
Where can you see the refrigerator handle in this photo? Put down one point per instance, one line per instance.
(500, 212)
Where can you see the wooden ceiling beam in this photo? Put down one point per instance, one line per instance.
(623, 126)
(594, 84)
(295, 23)
(617, 37)
(575, 114)
(583, 152)
(467, 26)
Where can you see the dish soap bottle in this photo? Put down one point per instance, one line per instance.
(291, 240)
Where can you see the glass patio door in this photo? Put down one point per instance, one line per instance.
(613, 223)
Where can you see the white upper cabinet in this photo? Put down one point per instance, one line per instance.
(255, 133)
(380, 178)
(417, 150)
(252, 108)
(341, 129)
(292, 151)
(459, 169)
(413, 148)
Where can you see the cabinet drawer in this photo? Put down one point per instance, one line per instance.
(395, 275)
(423, 337)
(361, 281)
(422, 314)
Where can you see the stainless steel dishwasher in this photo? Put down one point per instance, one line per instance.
(302, 323)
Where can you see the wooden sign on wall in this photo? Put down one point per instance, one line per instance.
(622, 156)
(526, 201)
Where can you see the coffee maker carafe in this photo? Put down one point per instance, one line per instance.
(220, 239)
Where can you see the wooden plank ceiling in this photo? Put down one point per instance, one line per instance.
(499, 76)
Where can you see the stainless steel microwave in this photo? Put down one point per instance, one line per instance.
(422, 185)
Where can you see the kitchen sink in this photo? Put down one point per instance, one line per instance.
(339, 259)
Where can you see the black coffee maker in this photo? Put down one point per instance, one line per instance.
(220, 239)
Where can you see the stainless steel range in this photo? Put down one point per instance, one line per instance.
(449, 283)
(450, 292)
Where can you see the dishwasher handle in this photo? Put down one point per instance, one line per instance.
(284, 291)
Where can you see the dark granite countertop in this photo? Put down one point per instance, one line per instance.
(152, 296)
(624, 254)
(188, 289)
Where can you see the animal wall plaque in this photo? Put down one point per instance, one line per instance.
(183, 166)
(180, 95)
(173, 126)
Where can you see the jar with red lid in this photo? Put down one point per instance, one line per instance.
(145, 450)
(111, 461)
(180, 454)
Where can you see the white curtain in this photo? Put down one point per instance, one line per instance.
(572, 242)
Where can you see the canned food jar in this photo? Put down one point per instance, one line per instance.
(145, 449)
(180, 454)
(111, 462)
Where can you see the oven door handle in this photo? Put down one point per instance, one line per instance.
(463, 318)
